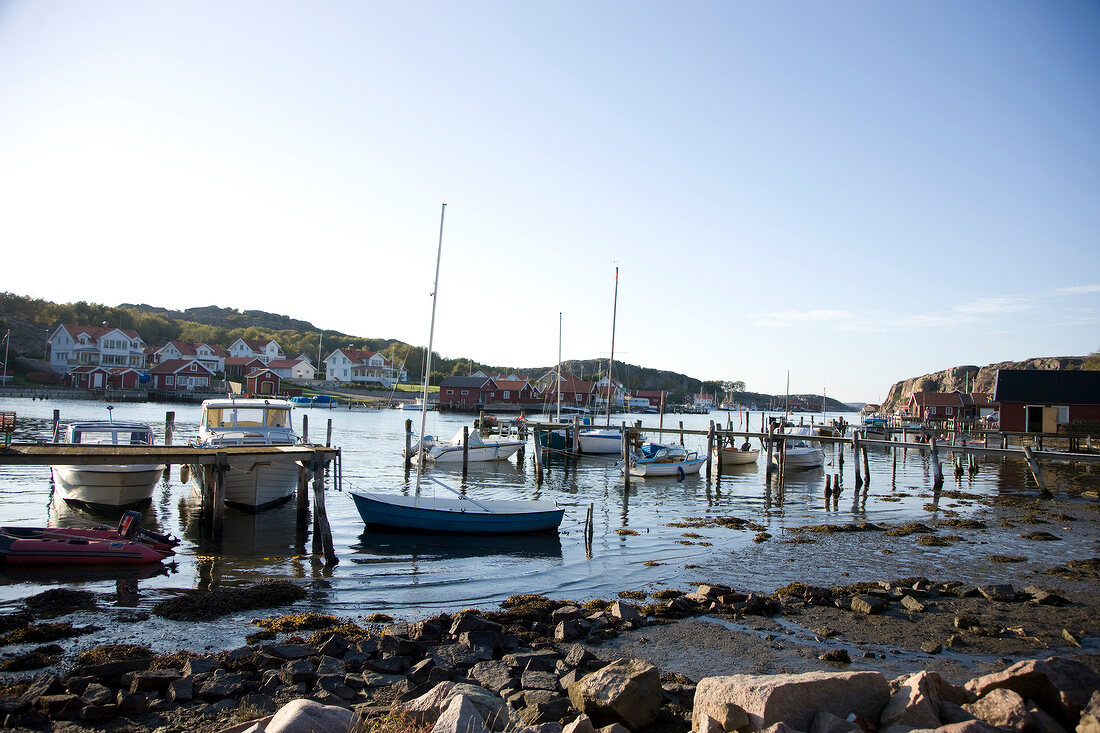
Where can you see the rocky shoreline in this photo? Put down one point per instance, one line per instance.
(539, 664)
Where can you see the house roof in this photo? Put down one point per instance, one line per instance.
(359, 356)
(283, 363)
(88, 369)
(940, 399)
(241, 360)
(97, 332)
(171, 366)
(260, 372)
(513, 385)
(464, 382)
(1047, 386)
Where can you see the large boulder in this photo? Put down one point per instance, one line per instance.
(627, 691)
(918, 699)
(307, 716)
(1001, 708)
(1060, 686)
(1090, 717)
(755, 702)
(460, 716)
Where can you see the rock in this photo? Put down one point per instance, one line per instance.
(544, 712)
(334, 646)
(825, 722)
(542, 660)
(199, 665)
(1090, 716)
(493, 709)
(307, 716)
(181, 690)
(930, 647)
(297, 670)
(779, 728)
(427, 707)
(460, 716)
(153, 679)
(63, 706)
(966, 591)
(868, 605)
(625, 611)
(912, 604)
(917, 701)
(953, 713)
(627, 691)
(578, 656)
(290, 651)
(1043, 722)
(97, 694)
(1058, 685)
(389, 665)
(571, 630)
(789, 698)
(580, 724)
(998, 592)
(613, 728)
(565, 613)
(534, 680)
(422, 670)
(708, 724)
(373, 679)
(222, 684)
(494, 675)
(838, 656)
(551, 727)
(464, 622)
(98, 713)
(1001, 707)
(254, 702)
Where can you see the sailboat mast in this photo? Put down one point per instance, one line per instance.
(611, 361)
(428, 356)
(558, 378)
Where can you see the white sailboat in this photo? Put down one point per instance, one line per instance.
(459, 513)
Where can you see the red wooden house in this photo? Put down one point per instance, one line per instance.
(518, 392)
(262, 382)
(181, 374)
(462, 390)
(1044, 401)
(124, 378)
(941, 405)
(89, 376)
(238, 366)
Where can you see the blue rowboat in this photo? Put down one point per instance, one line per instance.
(458, 514)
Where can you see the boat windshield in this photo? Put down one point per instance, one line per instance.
(253, 417)
(113, 437)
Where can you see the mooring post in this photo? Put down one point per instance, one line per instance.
(538, 454)
(169, 426)
(56, 426)
(626, 456)
(408, 442)
(1033, 464)
(588, 527)
(681, 432)
(937, 469)
(221, 465)
(576, 434)
(206, 502)
(320, 516)
(768, 466)
(302, 499)
(305, 429)
(710, 446)
(465, 450)
(328, 434)
(855, 456)
(866, 467)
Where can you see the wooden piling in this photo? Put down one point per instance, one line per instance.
(169, 426)
(855, 456)
(718, 442)
(626, 456)
(538, 455)
(1034, 466)
(710, 446)
(866, 468)
(681, 432)
(465, 450)
(56, 426)
(221, 465)
(302, 498)
(408, 442)
(768, 466)
(937, 469)
(322, 532)
(328, 434)
(305, 429)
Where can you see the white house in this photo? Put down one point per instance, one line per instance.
(292, 368)
(266, 350)
(212, 357)
(362, 366)
(71, 346)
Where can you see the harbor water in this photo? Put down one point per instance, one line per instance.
(661, 533)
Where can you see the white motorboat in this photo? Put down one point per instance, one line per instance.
(658, 459)
(800, 451)
(112, 486)
(255, 421)
(479, 448)
(601, 441)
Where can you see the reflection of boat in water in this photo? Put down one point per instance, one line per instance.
(63, 515)
(382, 546)
(49, 574)
(478, 448)
(272, 533)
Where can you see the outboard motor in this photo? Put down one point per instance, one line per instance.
(129, 525)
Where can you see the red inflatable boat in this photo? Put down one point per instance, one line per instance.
(129, 544)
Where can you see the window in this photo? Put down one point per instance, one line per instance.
(1063, 415)
(949, 410)
(450, 391)
(169, 381)
(507, 395)
(465, 392)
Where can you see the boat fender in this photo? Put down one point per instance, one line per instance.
(185, 473)
(680, 470)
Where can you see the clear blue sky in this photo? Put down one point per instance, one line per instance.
(856, 192)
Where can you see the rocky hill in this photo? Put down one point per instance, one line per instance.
(971, 378)
(230, 318)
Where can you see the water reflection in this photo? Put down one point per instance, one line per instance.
(376, 546)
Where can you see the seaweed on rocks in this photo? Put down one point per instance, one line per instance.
(33, 633)
(59, 602)
(904, 530)
(113, 653)
(209, 605)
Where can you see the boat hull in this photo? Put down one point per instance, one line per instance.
(487, 450)
(257, 487)
(677, 468)
(734, 457)
(34, 547)
(601, 441)
(802, 458)
(107, 487)
(436, 514)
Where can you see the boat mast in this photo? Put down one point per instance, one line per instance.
(611, 361)
(558, 378)
(428, 356)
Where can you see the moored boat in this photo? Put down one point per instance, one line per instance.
(658, 459)
(256, 421)
(128, 544)
(799, 451)
(108, 487)
(731, 456)
(478, 448)
(601, 441)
